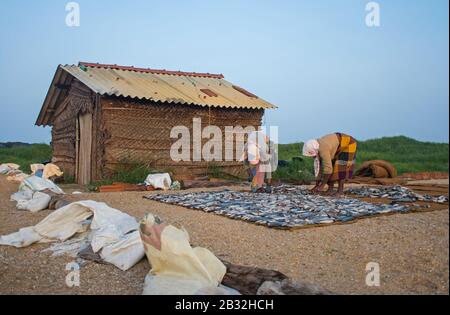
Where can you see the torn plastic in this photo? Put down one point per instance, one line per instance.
(35, 183)
(177, 268)
(7, 167)
(36, 167)
(16, 176)
(159, 181)
(122, 247)
(30, 200)
(51, 170)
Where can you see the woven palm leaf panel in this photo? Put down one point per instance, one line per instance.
(64, 132)
(139, 132)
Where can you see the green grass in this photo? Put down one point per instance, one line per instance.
(406, 154)
(129, 172)
(296, 170)
(26, 155)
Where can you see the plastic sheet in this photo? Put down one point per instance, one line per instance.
(177, 268)
(159, 181)
(123, 248)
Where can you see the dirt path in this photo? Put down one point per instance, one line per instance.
(411, 249)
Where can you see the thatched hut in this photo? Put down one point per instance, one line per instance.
(106, 115)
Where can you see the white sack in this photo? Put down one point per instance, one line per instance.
(121, 248)
(23, 238)
(159, 181)
(16, 176)
(125, 253)
(7, 167)
(38, 184)
(22, 195)
(32, 201)
(50, 170)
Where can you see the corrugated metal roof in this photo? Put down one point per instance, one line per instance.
(164, 86)
(172, 87)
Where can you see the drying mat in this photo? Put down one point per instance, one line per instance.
(287, 207)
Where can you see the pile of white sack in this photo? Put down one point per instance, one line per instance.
(8, 167)
(112, 233)
(119, 239)
(32, 194)
(45, 171)
(40, 170)
(13, 172)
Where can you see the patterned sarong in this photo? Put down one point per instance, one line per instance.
(345, 158)
(258, 177)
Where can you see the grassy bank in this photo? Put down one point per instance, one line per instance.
(407, 154)
(26, 155)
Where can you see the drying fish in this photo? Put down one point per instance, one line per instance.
(288, 206)
(396, 193)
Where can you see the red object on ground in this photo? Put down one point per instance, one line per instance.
(116, 187)
(150, 188)
(111, 188)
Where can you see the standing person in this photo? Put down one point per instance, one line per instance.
(259, 156)
(335, 157)
(271, 165)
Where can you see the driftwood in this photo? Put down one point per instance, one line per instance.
(253, 280)
(289, 287)
(247, 280)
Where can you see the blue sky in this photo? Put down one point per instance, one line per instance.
(317, 60)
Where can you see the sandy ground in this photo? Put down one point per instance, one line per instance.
(411, 249)
(429, 182)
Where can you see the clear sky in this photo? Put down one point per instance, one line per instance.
(315, 59)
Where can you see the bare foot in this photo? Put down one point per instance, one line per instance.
(336, 194)
(339, 194)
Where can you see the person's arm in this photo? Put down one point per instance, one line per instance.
(321, 183)
(318, 177)
(325, 172)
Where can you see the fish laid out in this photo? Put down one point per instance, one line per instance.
(396, 193)
(287, 207)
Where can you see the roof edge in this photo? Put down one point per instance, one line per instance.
(148, 70)
(40, 121)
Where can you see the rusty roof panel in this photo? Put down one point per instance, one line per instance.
(155, 71)
(169, 87)
(172, 87)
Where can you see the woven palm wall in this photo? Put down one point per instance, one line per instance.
(64, 132)
(139, 132)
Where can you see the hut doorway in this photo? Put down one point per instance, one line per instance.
(84, 152)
